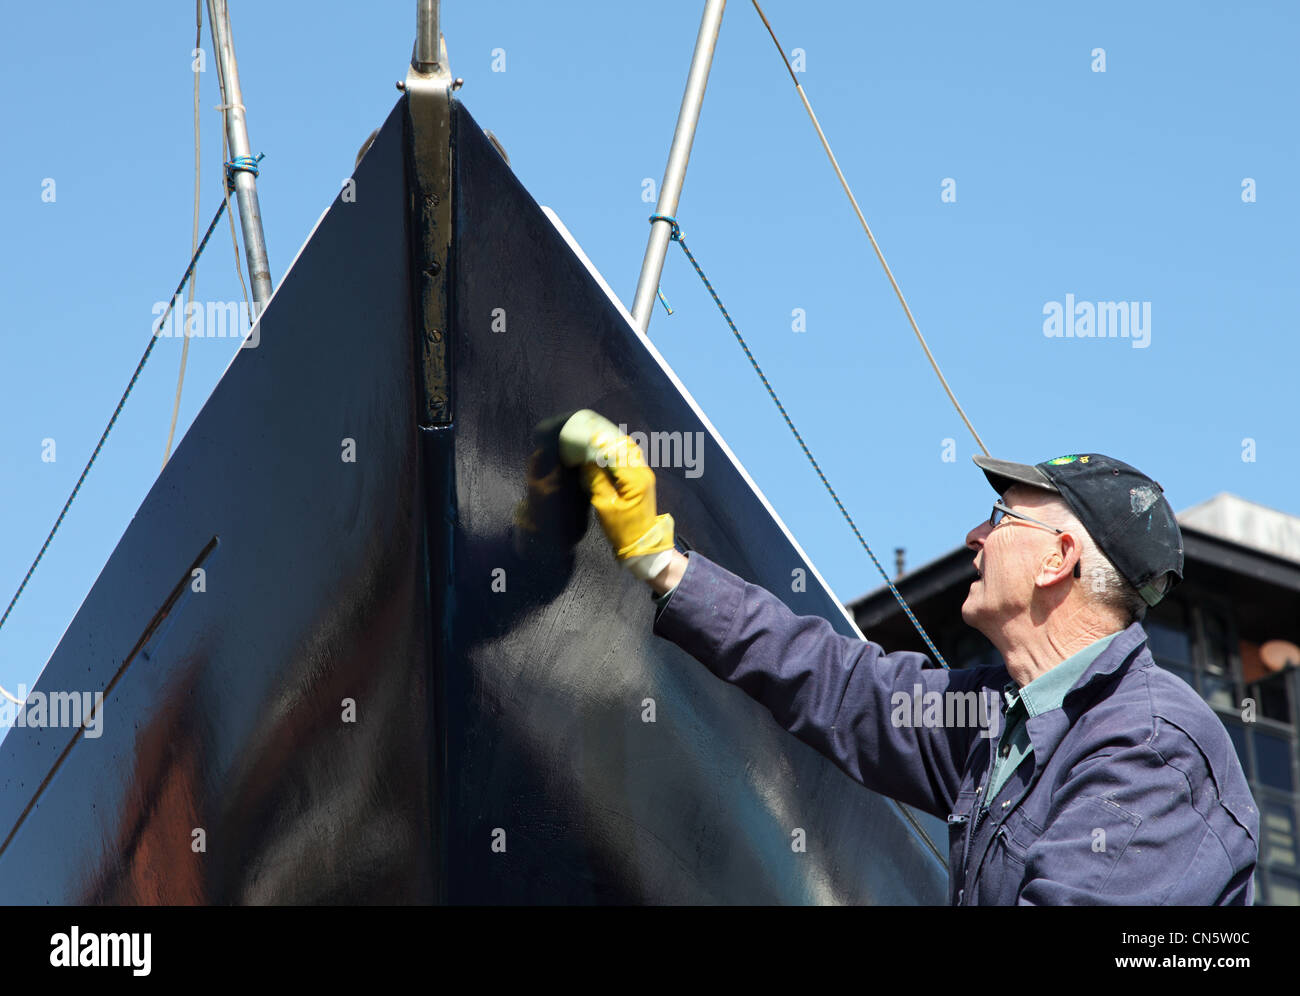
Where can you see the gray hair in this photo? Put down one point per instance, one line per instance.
(1102, 582)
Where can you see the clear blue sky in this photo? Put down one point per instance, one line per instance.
(1122, 185)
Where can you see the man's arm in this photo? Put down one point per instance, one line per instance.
(882, 718)
(873, 714)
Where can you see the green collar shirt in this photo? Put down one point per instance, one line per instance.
(1044, 693)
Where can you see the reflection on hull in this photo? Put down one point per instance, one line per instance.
(335, 680)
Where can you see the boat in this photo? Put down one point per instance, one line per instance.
(330, 671)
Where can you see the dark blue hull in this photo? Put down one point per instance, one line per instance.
(374, 697)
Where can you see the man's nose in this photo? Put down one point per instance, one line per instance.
(975, 538)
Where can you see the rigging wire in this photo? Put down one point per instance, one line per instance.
(244, 163)
(676, 236)
(867, 228)
(194, 238)
(153, 341)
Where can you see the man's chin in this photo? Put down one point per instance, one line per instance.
(974, 615)
(980, 619)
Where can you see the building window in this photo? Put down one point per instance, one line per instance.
(1273, 760)
(1271, 699)
(1269, 689)
(1170, 641)
(1218, 679)
(1198, 641)
(1284, 890)
(1278, 829)
(1238, 734)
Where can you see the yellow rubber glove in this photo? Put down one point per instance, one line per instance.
(622, 491)
(553, 513)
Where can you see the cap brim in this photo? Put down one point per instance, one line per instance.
(1003, 474)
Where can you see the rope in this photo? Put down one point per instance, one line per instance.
(246, 164)
(194, 237)
(677, 237)
(867, 228)
(153, 341)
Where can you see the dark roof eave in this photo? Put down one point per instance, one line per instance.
(1240, 559)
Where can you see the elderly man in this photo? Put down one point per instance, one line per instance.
(1109, 780)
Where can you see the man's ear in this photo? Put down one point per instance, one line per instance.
(1054, 568)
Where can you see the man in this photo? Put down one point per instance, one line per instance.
(1110, 780)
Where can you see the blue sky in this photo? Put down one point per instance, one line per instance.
(1118, 185)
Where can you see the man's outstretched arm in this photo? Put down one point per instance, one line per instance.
(871, 713)
(843, 696)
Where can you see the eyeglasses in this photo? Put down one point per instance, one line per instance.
(1000, 512)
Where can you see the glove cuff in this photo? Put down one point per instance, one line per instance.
(648, 565)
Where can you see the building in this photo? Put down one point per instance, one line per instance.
(1231, 630)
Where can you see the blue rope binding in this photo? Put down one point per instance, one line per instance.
(242, 164)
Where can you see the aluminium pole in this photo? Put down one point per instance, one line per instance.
(250, 214)
(679, 155)
(427, 43)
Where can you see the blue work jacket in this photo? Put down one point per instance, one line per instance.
(1133, 794)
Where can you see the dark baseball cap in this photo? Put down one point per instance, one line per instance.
(1124, 511)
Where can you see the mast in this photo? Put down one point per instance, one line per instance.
(427, 39)
(678, 156)
(245, 181)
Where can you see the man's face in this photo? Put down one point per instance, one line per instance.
(1008, 559)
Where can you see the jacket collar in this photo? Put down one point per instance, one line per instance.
(1124, 646)
(1048, 729)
